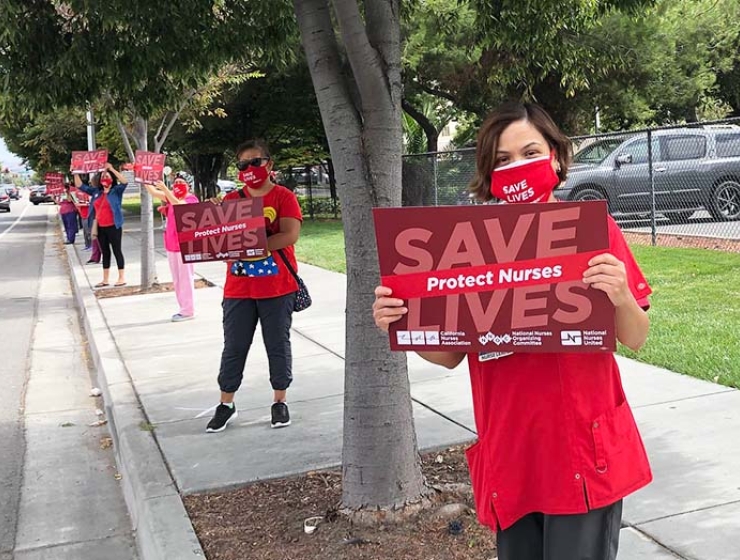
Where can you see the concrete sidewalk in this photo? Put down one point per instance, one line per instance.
(690, 427)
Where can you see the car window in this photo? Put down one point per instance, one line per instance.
(728, 145)
(639, 150)
(598, 151)
(684, 147)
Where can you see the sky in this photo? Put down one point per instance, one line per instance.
(9, 160)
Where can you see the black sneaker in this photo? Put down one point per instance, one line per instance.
(224, 414)
(280, 415)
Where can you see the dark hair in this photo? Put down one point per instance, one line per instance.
(254, 144)
(496, 123)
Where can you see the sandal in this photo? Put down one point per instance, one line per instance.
(102, 285)
(119, 284)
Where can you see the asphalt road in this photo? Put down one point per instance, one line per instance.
(21, 257)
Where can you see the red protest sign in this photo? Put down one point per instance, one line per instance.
(54, 183)
(496, 278)
(148, 167)
(233, 230)
(82, 198)
(89, 162)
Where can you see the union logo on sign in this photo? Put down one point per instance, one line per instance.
(498, 340)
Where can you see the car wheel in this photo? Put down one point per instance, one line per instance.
(588, 194)
(35, 203)
(725, 202)
(679, 217)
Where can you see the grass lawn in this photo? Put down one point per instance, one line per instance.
(695, 314)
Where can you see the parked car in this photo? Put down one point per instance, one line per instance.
(4, 201)
(12, 191)
(39, 195)
(693, 168)
(226, 186)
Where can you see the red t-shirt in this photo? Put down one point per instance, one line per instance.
(277, 281)
(103, 212)
(555, 432)
(84, 210)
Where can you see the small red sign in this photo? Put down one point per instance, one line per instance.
(88, 162)
(54, 183)
(82, 198)
(232, 230)
(496, 278)
(148, 167)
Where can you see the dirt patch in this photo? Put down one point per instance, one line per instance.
(684, 241)
(264, 521)
(112, 291)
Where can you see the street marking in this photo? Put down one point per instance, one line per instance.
(7, 231)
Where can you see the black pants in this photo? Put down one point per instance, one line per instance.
(275, 315)
(110, 238)
(589, 536)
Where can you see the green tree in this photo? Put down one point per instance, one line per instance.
(142, 58)
(360, 101)
(277, 104)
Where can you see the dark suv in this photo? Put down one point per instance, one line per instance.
(693, 168)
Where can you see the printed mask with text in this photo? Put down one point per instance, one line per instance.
(253, 176)
(529, 180)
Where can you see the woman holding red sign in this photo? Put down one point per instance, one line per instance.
(106, 210)
(558, 448)
(182, 273)
(262, 290)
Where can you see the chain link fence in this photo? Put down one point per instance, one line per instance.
(314, 186)
(673, 186)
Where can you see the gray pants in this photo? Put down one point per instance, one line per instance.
(275, 315)
(588, 536)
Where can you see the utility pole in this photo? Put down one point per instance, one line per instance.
(90, 129)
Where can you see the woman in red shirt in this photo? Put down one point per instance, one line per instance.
(260, 290)
(558, 447)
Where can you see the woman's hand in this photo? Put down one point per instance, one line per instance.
(161, 186)
(607, 273)
(387, 310)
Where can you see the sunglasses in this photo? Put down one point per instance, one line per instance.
(254, 162)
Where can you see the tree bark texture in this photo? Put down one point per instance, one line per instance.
(361, 112)
(205, 169)
(148, 262)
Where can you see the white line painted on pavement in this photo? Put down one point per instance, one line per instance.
(18, 219)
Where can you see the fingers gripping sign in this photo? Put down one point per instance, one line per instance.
(608, 274)
(386, 309)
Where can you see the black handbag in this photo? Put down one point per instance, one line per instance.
(302, 298)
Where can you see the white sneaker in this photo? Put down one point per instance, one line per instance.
(179, 317)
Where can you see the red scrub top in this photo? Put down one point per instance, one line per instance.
(555, 432)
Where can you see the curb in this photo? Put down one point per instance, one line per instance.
(161, 525)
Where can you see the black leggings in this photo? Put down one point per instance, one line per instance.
(110, 238)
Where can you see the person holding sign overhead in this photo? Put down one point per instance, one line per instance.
(262, 290)
(558, 448)
(182, 273)
(105, 203)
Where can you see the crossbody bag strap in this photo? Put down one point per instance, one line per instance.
(279, 251)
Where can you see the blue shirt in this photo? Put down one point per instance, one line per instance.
(115, 199)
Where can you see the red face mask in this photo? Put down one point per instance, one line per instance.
(253, 177)
(529, 180)
(106, 181)
(180, 189)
